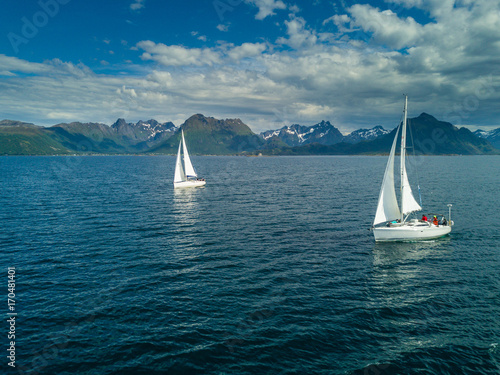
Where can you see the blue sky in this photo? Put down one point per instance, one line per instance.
(269, 62)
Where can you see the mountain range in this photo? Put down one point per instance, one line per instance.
(295, 135)
(323, 133)
(429, 136)
(493, 136)
(20, 138)
(210, 136)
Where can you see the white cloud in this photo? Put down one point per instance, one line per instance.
(137, 5)
(386, 26)
(436, 8)
(338, 19)
(203, 38)
(408, 3)
(223, 28)
(307, 110)
(246, 50)
(177, 55)
(6, 73)
(61, 116)
(448, 67)
(11, 65)
(59, 92)
(435, 63)
(182, 56)
(266, 7)
(299, 36)
(124, 91)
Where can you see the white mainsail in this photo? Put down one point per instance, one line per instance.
(188, 166)
(179, 175)
(408, 202)
(387, 208)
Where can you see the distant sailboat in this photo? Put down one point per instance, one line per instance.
(185, 176)
(396, 227)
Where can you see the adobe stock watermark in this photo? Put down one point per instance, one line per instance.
(58, 341)
(471, 103)
(223, 6)
(31, 26)
(456, 116)
(247, 327)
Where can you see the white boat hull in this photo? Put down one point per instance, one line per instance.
(189, 183)
(408, 232)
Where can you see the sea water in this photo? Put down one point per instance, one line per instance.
(269, 269)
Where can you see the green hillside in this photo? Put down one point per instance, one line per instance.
(88, 138)
(209, 136)
(28, 139)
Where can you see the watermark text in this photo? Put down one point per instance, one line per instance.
(11, 320)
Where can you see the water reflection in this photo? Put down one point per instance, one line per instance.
(392, 253)
(399, 266)
(186, 218)
(185, 206)
(401, 292)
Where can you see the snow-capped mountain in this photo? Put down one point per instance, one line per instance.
(365, 134)
(296, 135)
(493, 136)
(323, 133)
(210, 136)
(142, 131)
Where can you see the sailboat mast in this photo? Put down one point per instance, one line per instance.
(183, 150)
(403, 151)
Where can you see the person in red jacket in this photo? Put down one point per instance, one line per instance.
(424, 218)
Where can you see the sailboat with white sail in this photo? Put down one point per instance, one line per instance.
(185, 174)
(395, 216)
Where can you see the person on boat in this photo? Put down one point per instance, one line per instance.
(424, 218)
(435, 221)
(443, 221)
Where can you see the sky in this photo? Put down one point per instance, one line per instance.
(270, 63)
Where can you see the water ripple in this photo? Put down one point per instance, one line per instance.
(269, 269)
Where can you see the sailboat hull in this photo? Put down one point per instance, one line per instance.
(189, 183)
(410, 232)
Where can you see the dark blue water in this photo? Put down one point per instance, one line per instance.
(269, 269)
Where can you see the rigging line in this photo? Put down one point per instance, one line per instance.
(416, 169)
